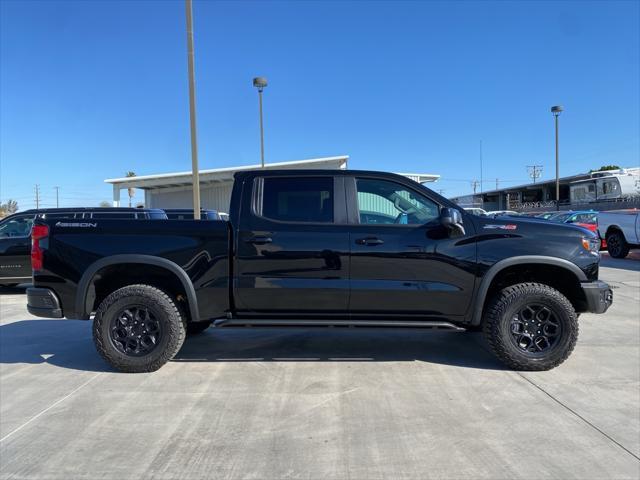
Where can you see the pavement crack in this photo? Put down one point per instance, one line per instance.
(38, 415)
(602, 432)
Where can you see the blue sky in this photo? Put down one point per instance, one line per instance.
(89, 90)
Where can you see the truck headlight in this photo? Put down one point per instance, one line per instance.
(591, 244)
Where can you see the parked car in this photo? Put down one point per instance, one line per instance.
(502, 213)
(299, 250)
(187, 214)
(481, 212)
(15, 234)
(621, 230)
(546, 215)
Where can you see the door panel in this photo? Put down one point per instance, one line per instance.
(289, 262)
(402, 260)
(15, 247)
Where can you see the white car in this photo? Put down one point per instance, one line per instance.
(621, 230)
(481, 212)
(500, 213)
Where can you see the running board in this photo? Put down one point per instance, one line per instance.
(249, 322)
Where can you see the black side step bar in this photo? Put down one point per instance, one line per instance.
(249, 322)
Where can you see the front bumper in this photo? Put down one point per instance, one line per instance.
(599, 296)
(42, 302)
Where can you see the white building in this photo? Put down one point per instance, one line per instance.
(174, 190)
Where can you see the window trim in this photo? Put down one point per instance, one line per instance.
(354, 209)
(339, 204)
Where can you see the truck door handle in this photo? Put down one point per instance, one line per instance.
(259, 239)
(369, 241)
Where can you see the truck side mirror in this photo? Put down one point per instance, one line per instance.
(451, 219)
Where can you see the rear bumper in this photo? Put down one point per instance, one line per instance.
(42, 302)
(599, 296)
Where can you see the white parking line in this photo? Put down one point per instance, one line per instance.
(49, 408)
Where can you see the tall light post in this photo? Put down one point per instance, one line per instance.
(260, 83)
(192, 114)
(556, 110)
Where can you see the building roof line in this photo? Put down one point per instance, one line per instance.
(129, 180)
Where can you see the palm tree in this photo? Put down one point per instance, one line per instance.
(132, 191)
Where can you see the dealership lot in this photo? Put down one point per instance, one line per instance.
(328, 403)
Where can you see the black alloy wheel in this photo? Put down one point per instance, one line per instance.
(535, 329)
(135, 331)
(616, 245)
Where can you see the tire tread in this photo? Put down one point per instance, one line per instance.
(176, 328)
(494, 316)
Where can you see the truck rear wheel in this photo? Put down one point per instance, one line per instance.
(138, 328)
(531, 326)
(617, 246)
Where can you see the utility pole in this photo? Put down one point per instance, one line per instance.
(474, 184)
(192, 113)
(497, 183)
(57, 192)
(535, 171)
(37, 196)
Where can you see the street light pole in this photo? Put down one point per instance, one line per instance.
(555, 110)
(192, 114)
(260, 83)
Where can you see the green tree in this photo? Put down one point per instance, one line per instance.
(606, 167)
(104, 204)
(132, 191)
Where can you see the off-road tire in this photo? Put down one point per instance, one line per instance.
(195, 328)
(617, 246)
(506, 304)
(165, 311)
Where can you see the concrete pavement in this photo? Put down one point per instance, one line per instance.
(259, 403)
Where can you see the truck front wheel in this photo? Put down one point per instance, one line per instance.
(531, 326)
(617, 246)
(138, 328)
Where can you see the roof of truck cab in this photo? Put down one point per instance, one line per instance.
(417, 177)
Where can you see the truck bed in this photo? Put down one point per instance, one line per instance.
(199, 248)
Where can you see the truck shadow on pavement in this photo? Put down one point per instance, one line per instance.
(68, 344)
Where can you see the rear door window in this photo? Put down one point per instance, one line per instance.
(298, 199)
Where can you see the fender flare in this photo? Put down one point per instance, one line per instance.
(497, 267)
(90, 272)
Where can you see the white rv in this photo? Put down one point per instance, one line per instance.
(606, 185)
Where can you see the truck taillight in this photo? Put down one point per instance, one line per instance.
(39, 234)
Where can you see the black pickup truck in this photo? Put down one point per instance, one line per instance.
(320, 248)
